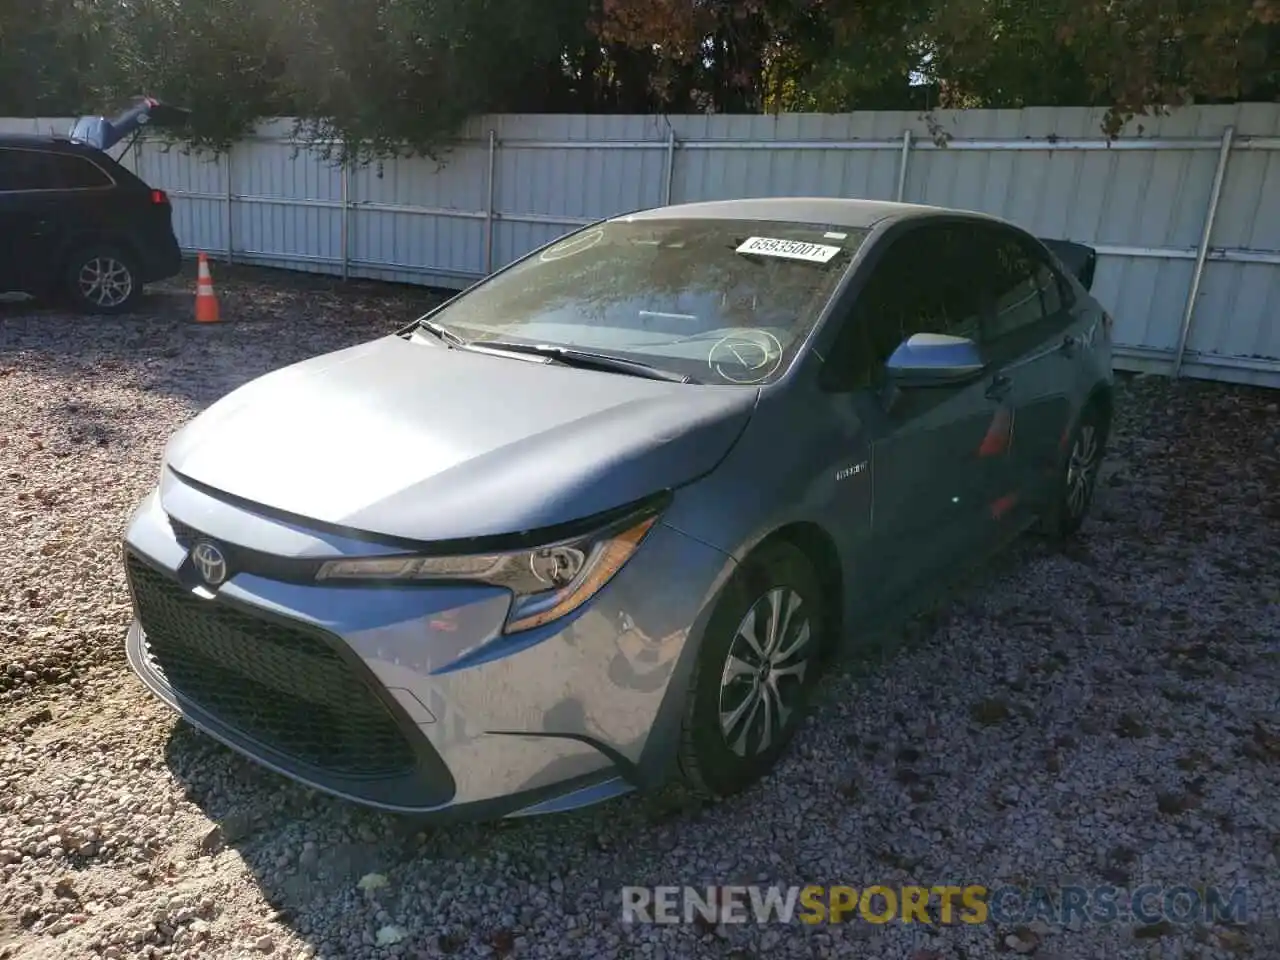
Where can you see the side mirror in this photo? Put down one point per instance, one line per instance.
(934, 360)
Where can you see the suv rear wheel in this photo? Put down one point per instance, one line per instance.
(102, 279)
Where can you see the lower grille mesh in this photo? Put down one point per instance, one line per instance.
(279, 685)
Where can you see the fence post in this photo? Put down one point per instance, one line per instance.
(346, 221)
(902, 165)
(230, 239)
(1188, 313)
(669, 174)
(488, 211)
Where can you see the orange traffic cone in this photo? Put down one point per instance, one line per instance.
(206, 302)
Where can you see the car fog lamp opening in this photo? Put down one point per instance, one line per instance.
(547, 582)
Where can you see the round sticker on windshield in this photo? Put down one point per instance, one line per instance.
(750, 356)
(575, 244)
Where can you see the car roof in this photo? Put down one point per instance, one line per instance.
(837, 211)
(45, 141)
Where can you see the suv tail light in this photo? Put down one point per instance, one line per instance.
(159, 198)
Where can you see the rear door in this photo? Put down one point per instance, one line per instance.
(13, 224)
(1027, 341)
(931, 480)
(69, 200)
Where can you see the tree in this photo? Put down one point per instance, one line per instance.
(380, 77)
(388, 76)
(845, 54)
(1129, 55)
(217, 58)
(43, 50)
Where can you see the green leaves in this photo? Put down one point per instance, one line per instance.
(381, 77)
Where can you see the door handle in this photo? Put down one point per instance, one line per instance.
(999, 387)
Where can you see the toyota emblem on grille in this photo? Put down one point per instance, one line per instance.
(210, 563)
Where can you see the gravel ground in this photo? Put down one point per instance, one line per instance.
(1104, 714)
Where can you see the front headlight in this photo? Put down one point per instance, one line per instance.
(547, 582)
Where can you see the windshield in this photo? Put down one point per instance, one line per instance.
(721, 301)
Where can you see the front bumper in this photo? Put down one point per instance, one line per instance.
(409, 698)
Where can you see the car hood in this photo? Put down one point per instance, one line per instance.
(407, 438)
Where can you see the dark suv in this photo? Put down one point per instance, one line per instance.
(76, 225)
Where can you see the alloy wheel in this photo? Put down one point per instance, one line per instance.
(105, 282)
(1082, 470)
(763, 677)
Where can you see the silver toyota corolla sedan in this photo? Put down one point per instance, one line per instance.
(601, 518)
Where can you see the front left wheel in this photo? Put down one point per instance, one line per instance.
(756, 669)
(102, 279)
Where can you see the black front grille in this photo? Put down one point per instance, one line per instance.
(185, 534)
(282, 686)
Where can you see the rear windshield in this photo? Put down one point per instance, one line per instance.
(722, 301)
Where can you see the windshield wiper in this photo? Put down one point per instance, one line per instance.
(587, 359)
(441, 331)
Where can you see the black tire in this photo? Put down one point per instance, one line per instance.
(708, 763)
(1077, 474)
(115, 270)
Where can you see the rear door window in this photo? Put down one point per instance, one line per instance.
(1015, 294)
(1024, 297)
(1056, 289)
(22, 169)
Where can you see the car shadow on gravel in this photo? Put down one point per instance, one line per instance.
(269, 319)
(307, 850)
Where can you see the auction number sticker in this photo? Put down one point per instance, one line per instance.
(789, 249)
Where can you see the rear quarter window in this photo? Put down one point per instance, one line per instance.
(76, 173)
